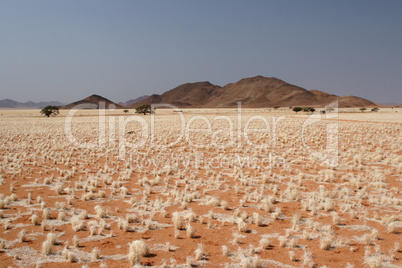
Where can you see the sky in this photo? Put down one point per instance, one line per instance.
(66, 50)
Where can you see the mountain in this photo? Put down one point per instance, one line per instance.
(187, 95)
(391, 104)
(132, 101)
(93, 102)
(7, 103)
(345, 101)
(353, 101)
(252, 92)
(262, 91)
(324, 97)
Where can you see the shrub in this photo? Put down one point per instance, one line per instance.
(46, 247)
(264, 243)
(138, 249)
(392, 228)
(51, 238)
(282, 241)
(199, 252)
(100, 213)
(292, 255)
(396, 247)
(267, 205)
(297, 109)
(143, 109)
(61, 216)
(224, 205)
(225, 251)
(50, 110)
(292, 242)
(257, 219)
(22, 236)
(308, 109)
(177, 221)
(34, 219)
(325, 242)
(190, 231)
(95, 254)
(308, 259)
(242, 226)
(92, 230)
(191, 216)
(335, 218)
(176, 234)
(46, 213)
(76, 241)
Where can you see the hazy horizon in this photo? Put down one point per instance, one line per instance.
(67, 50)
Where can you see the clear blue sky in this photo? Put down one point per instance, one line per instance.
(122, 49)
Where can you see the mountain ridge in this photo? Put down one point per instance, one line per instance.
(93, 102)
(132, 101)
(9, 103)
(253, 92)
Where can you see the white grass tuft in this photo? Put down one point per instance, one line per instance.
(46, 247)
(190, 231)
(22, 236)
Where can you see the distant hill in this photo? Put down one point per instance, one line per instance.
(394, 104)
(186, 95)
(253, 92)
(345, 101)
(93, 102)
(132, 101)
(324, 97)
(7, 103)
(353, 101)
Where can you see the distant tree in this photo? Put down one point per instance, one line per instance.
(363, 109)
(50, 111)
(125, 110)
(375, 109)
(330, 109)
(308, 109)
(277, 107)
(143, 109)
(290, 107)
(297, 109)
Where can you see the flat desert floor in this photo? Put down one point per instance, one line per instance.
(201, 188)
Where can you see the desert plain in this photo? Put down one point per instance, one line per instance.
(201, 188)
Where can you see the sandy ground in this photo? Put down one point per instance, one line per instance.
(212, 188)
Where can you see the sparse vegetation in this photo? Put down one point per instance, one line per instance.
(308, 109)
(62, 203)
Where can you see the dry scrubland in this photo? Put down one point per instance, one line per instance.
(176, 207)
